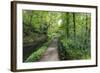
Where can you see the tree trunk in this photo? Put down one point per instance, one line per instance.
(74, 24)
(67, 24)
(31, 27)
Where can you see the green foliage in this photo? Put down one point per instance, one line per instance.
(71, 28)
(35, 56)
(74, 43)
(74, 50)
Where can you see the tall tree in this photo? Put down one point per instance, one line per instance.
(74, 24)
(67, 24)
(30, 22)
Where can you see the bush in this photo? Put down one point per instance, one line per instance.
(73, 49)
(35, 56)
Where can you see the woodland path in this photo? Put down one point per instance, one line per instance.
(51, 53)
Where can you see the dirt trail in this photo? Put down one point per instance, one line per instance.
(52, 53)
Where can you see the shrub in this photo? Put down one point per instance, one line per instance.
(73, 49)
(35, 56)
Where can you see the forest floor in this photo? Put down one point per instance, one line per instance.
(51, 53)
